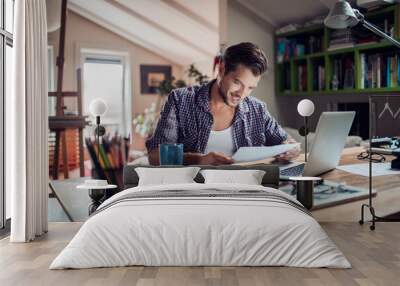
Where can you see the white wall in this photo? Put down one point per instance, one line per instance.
(82, 33)
(204, 66)
(243, 26)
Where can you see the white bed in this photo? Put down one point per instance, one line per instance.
(234, 229)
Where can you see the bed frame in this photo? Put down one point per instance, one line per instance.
(270, 179)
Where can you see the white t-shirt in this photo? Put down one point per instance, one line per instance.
(221, 141)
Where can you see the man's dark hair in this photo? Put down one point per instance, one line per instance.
(247, 54)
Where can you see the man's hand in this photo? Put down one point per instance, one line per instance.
(291, 154)
(215, 158)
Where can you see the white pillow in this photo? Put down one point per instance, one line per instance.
(248, 177)
(165, 176)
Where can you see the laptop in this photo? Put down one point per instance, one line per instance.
(330, 138)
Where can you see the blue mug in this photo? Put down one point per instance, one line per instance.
(171, 154)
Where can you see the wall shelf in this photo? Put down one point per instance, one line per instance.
(310, 68)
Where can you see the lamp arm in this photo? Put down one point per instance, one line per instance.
(375, 29)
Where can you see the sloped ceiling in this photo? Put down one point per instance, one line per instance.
(281, 12)
(186, 31)
(179, 30)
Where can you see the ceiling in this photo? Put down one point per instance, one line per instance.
(281, 12)
(187, 31)
(182, 31)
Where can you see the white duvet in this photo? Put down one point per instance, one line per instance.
(192, 231)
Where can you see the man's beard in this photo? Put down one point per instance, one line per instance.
(223, 94)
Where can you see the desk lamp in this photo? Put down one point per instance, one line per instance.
(342, 16)
(305, 108)
(98, 108)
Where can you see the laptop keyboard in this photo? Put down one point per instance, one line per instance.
(293, 171)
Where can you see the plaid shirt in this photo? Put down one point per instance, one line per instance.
(186, 118)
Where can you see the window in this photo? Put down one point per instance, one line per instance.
(6, 44)
(106, 76)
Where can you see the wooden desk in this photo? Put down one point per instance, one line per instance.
(387, 200)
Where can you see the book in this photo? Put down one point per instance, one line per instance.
(393, 80)
(378, 71)
(398, 71)
(362, 67)
(321, 78)
(388, 71)
(299, 78)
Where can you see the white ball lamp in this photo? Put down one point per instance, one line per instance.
(305, 108)
(98, 108)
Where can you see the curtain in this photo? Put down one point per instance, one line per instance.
(27, 122)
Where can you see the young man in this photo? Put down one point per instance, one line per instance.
(215, 119)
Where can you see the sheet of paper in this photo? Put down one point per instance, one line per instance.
(247, 154)
(378, 169)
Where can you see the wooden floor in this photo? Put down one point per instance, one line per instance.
(375, 257)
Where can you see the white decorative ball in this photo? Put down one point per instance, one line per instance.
(305, 107)
(97, 107)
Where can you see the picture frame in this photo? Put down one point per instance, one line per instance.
(152, 75)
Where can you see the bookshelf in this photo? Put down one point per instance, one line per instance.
(317, 60)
